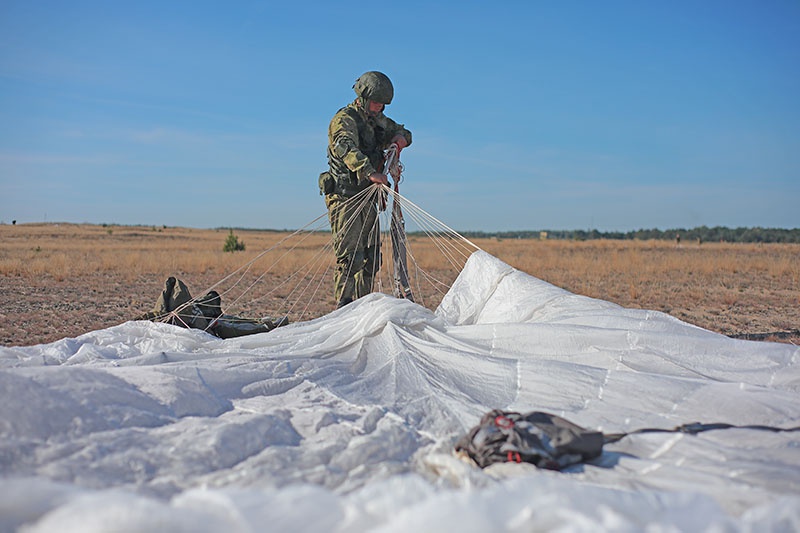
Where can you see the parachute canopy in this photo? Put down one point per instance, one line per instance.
(348, 421)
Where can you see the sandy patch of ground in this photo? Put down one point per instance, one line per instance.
(43, 309)
(63, 280)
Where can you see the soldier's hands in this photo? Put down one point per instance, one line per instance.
(377, 177)
(400, 141)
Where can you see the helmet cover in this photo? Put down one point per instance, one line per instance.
(375, 86)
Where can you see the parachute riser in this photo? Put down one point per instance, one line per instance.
(392, 167)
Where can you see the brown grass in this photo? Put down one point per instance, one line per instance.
(66, 279)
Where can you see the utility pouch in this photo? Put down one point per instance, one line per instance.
(326, 183)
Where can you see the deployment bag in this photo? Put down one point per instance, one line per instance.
(545, 440)
(549, 441)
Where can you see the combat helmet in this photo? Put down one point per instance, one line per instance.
(375, 86)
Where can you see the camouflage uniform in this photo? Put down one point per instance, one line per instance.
(356, 142)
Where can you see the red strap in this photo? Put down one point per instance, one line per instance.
(503, 422)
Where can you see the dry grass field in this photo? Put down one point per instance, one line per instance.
(62, 280)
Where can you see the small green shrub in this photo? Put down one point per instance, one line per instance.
(233, 244)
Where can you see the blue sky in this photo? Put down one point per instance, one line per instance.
(525, 115)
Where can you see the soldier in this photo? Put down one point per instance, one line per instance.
(357, 136)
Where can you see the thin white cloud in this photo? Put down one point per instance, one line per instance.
(31, 158)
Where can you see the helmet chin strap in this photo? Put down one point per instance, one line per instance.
(364, 104)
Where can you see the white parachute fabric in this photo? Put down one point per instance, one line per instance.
(347, 422)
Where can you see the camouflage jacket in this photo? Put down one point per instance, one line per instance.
(356, 143)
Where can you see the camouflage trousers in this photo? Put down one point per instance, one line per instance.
(356, 243)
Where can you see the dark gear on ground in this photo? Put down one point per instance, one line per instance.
(356, 142)
(176, 306)
(545, 440)
(549, 441)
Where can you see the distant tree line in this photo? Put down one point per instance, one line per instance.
(700, 234)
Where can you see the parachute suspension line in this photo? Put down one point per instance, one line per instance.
(430, 222)
(432, 227)
(443, 242)
(365, 201)
(358, 205)
(241, 271)
(314, 261)
(440, 286)
(353, 205)
(395, 228)
(292, 280)
(316, 269)
(450, 245)
(422, 273)
(426, 267)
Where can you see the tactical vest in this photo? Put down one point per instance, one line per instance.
(370, 135)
